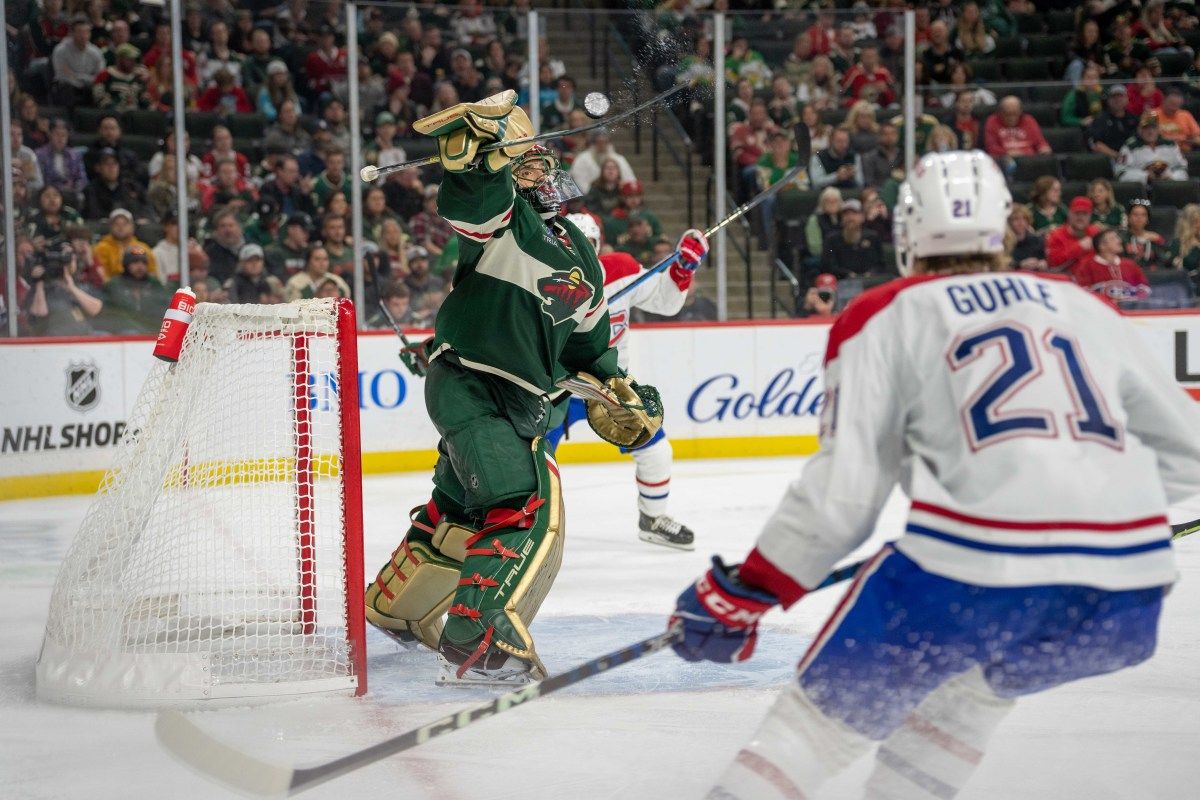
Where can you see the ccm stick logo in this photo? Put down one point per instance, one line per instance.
(725, 610)
(466, 717)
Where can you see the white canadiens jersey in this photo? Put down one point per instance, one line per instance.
(658, 295)
(1039, 441)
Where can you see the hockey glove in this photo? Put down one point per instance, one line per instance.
(620, 410)
(719, 616)
(416, 357)
(692, 247)
(463, 129)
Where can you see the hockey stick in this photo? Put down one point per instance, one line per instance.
(1184, 529)
(802, 139)
(407, 350)
(371, 172)
(227, 765)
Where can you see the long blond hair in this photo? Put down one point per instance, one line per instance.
(941, 132)
(1187, 228)
(972, 37)
(1010, 239)
(859, 109)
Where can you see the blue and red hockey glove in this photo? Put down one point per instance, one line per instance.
(692, 247)
(719, 616)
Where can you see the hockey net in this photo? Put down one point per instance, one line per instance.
(222, 556)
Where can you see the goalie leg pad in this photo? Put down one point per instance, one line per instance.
(510, 565)
(414, 589)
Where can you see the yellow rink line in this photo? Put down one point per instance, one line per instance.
(21, 487)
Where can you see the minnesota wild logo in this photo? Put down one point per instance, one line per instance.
(563, 293)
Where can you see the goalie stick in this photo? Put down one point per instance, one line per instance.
(409, 352)
(372, 172)
(803, 146)
(228, 765)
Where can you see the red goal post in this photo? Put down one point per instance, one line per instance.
(222, 556)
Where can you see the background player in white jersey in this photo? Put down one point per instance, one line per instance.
(662, 294)
(1040, 444)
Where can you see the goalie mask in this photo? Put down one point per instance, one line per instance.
(952, 203)
(543, 182)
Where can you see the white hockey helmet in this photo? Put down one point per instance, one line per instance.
(954, 203)
(587, 226)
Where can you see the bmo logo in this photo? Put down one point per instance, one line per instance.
(384, 389)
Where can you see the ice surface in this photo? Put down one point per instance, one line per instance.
(657, 728)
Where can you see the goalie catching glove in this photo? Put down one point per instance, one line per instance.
(620, 410)
(463, 129)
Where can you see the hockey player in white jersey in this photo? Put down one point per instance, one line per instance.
(1040, 445)
(662, 294)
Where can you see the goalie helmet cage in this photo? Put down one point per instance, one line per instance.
(222, 555)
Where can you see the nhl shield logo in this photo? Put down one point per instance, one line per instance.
(83, 385)
(563, 293)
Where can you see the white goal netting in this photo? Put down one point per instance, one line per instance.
(213, 562)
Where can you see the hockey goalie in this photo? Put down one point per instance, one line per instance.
(527, 313)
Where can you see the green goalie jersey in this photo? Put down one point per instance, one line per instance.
(527, 304)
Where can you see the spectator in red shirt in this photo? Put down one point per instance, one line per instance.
(869, 71)
(1107, 273)
(225, 96)
(1155, 31)
(1010, 132)
(162, 44)
(820, 33)
(325, 64)
(1071, 244)
(748, 140)
(1144, 94)
(222, 148)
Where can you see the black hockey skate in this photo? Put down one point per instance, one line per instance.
(665, 531)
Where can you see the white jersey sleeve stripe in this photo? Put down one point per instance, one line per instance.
(484, 230)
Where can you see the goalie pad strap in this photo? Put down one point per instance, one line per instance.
(417, 584)
(500, 518)
(412, 591)
(479, 651)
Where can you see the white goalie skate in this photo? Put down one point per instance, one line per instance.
(512, 672)
(665, 531)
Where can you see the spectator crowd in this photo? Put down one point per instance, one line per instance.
(1088, 104)
(268, 185)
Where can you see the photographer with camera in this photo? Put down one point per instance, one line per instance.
(56, 305)
(820, 298)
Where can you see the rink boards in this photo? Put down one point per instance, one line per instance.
(730, 390)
